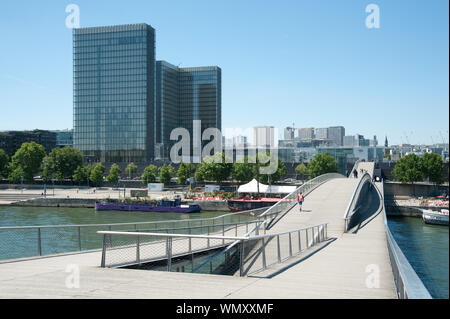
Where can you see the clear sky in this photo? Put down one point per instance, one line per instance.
(313, 63)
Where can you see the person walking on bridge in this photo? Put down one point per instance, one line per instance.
(300, 199)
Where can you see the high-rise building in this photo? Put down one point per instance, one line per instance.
(264, 136)
(113, 95)
(126, 104)
(322, 133)
(336, 135)
(182, 96)
(306, 133)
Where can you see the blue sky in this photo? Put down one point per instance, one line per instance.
(312, 63)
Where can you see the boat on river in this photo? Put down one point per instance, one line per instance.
(435, 217)
(169, 206)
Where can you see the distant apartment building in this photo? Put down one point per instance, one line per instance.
(306, 133)
(11, 141)
(322, 133)
(336, 135)
(126, 104)
(264, 136)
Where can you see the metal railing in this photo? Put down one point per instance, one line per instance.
(273, 214)
(290, 200)
(183, 252)
(407, 282)
(355, 167)
(31, 241)
(131, 248)
(355, 201)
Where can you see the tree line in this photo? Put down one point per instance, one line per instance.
(67, 163)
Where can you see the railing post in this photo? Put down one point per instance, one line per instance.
(307, 242)
(299, 242)
(223, 229)
(79, 238)
(241, 259)
(278, 249)
(169, 253)
(190, 244)
(103, 252)
(290, 245)
(208, 235)
(263, 247)
(138, 256)
(39, 242)
(236, 230)
(312, 236)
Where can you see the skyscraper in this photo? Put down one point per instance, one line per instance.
(126, 104)
(113, 95)
(336, 134)
(184, 95)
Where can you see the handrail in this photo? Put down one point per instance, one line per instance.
(322, 178)
(407, 282)
(354, 167)
(130, 223)
(107, 232)
(353, 199)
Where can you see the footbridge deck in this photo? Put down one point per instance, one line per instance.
(352, 264)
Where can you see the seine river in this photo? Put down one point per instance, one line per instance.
(23, 242)
(425, 246)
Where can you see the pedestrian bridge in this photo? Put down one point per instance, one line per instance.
(338, 246)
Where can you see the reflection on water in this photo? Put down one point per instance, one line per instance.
(426, 248)
(23, 242)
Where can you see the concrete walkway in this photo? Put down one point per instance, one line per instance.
(350, 266)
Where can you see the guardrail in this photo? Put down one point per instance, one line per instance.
(246, 254)
(407, 283)
(31, 241)
(290, 200)
(355, 200)
(283, 206)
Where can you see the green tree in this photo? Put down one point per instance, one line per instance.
(4, 160)
(185, 171)
(49, 168)
(408, 169)
(243, 172)
(80, 175)
(149, 174)
(322, 164)
(131, 169)
(29, 159)
(268, 178)
(214, 168)
(63, 162)
(301, 170)
(114, 173)
(15, 175)
(432, 167)
(165, 174)
(96, 175)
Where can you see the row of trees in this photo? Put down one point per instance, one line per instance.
(412, 168)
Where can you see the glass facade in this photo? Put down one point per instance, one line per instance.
(113, 93)
(182, 96)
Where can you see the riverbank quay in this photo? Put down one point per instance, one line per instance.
(86, 197)
(409, 207)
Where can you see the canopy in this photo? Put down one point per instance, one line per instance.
(252, 187)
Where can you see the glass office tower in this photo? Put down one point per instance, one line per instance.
(114, 98)
(182, 96)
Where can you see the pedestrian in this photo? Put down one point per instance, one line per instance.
(300, 199)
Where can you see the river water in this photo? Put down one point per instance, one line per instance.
(426, 248)
(23, 242)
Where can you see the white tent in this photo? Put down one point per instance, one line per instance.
(252, 187)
